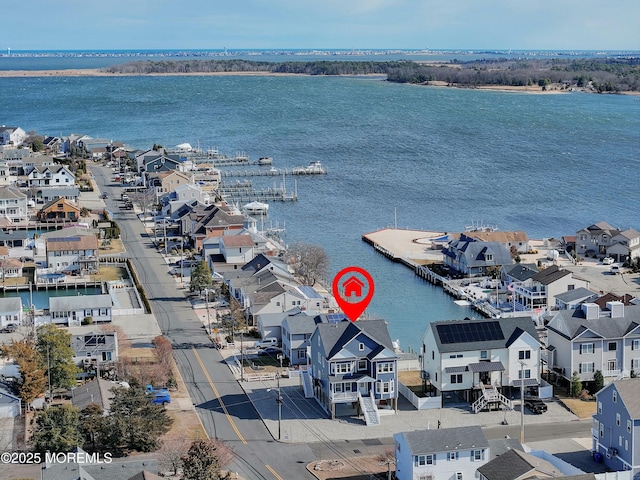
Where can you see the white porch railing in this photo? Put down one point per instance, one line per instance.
(611, 373)
(343, 397)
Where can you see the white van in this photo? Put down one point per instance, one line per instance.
(267, 342)
(615, 269)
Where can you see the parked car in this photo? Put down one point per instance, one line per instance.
(607, 261)
(9, 328)
(269, 351)
(267, 342)
(615, 269)
(536, 405)
(161, 396)
(104, 195)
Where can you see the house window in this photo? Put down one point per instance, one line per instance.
(456, 378)
(626, 445)
(586, 367)
(385, 367)
(342, 368)
(419, 460)
(361, 346)
(527, 373)
(483, 355)
(635, 363)
(433, 355)
(599, 407)
(384, 387)
(459, 355)
(477, 455)
(635, 344)
(489, 257)
(614, 396)
(618, 419)
(458, 475)
(601, 429)
(586, 348)
(106, 356)
(362, 365)
(452, 456)
(302, 354)
(524, 354)
(629, 426)
(619, 440)
(613, 346)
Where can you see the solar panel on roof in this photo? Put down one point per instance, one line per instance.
(469, 332)
(64, 239)
(335, 317)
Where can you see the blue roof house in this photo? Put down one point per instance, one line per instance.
(616, 425)
(354, 364)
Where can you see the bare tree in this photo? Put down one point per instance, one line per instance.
(387, 458)
(309, 262)
(171, 454)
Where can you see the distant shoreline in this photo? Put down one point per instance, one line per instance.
(97, 72)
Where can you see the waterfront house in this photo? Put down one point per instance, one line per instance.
(12, 136)
(236, 250)
(475, 360)
(517, 273)
(297, 328)
(157, 162)
(50, 176)
(515, 242)
(443, 454)
(616, 425)
(59, 210)
(183, 194)
(11, 267)
(76, 309)
(538, 292)
(167, 181)
(73, 254)
(48, 194)
(52, 145)
(13, 205)
(626, 246)
(574, 298)
(215, 221)
(469, 257)
(354, 365)
(589, 339)
(10, 311)
(595, 239)
(95, 347)
(40, 243)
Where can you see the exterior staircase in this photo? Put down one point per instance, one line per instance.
(490, 394)
(307, 384)
(369, 409)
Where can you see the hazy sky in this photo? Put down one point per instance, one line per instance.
(322, 24)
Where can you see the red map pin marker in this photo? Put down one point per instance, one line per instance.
(353, 290)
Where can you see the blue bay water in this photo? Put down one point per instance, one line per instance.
(434, 158)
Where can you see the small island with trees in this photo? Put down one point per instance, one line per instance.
(598, 75)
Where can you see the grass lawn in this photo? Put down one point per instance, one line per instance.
(110, 272)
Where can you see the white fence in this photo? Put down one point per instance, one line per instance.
(421, 403)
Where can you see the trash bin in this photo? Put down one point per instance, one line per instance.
(597, 456)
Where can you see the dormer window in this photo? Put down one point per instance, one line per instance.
(361, 346)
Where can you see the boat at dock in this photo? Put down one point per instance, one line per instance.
(314, 168)
(265, 161)
(256, 208)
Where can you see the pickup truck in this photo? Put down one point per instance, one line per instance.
(536, 405)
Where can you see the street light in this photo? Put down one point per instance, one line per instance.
(279, 402)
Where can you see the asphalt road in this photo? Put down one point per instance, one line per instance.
(224, 409)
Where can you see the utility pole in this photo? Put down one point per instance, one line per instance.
(279, 402)
(522, 402)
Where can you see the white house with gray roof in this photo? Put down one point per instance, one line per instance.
(538, 292)
(626, 246)
(13, 204)
(10, 311)
(73, 310)
(589, 339)
(476, 359)
(443, 454)
(574, 298)
(12, 135)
